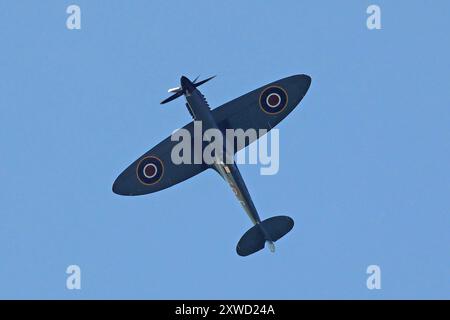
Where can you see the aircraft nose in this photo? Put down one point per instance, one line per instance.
(186, 84)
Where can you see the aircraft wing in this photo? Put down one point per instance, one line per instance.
(155, 170)
(262, 108)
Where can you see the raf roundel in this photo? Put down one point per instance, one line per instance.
(273, 100)
(150, 170)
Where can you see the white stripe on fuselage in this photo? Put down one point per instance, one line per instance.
(225, 172)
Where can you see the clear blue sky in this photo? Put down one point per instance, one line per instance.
(364, 162)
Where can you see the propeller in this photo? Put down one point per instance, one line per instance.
(198, 84)
(173, 97)
(178, 91)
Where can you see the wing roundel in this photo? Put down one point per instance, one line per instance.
(262, 108)
(155, 170)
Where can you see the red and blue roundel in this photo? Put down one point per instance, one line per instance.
(273, 100)
(150, 170)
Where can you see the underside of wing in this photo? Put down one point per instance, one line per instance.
(262, 108)
(156, 170)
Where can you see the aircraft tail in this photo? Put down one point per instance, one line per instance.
(269, 230)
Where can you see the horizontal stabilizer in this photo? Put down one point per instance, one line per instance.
(270, 229)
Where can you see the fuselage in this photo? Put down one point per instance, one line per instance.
(200, 111)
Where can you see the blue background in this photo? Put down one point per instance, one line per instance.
(364, 161)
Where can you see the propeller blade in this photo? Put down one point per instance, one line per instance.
(172, 97)
(195, 80)
(173, 90)
(203, 81)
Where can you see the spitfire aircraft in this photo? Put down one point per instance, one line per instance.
(262, 108)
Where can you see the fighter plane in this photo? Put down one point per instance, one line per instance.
(262, 108)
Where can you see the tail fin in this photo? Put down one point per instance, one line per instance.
(269, 230)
